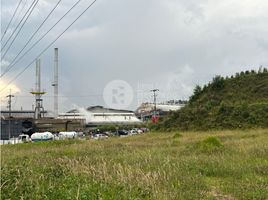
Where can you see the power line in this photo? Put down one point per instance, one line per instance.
(19, 30)
(18, 25)
(62, 96)
(15, 12)
(19, 13)
(73, 95)
(90, 5)
(29, 40)
(10, 66)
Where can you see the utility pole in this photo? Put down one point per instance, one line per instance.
(9, 109)
(56, 82)
(154, 91)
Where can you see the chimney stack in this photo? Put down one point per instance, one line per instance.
(56, 82)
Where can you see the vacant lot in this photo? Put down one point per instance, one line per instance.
(185, 165)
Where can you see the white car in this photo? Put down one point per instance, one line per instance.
(24, 138)
(133, 132)
(140, 131)
(99, 136)
(67, 135)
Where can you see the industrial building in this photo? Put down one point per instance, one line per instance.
(146, 110)
(14, 119)
(99, 115)
(14, 123)
(25, 122)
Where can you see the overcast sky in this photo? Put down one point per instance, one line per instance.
(167, 44)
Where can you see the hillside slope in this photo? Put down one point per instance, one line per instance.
(239, 101)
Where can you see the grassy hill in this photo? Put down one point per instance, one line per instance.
(239, 101)
(186, 165)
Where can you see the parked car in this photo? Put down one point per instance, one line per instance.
(133, 132)
(67, 135)
(99, 136)
(144, 130)
(24, 138)
(122, 132)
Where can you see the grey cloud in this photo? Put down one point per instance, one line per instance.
(170, 44)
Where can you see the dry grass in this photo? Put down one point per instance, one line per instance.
(228, 165)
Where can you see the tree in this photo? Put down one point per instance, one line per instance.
(197, 92)
(218, 83)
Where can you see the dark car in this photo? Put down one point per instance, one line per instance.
(122, 132)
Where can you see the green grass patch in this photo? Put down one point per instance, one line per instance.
(210, 144)
(177, 135)
(204, 165)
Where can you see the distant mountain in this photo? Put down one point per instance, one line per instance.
(239, 101)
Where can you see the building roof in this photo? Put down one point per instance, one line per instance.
(101, 109)
(148, 107)
(98, 115)
(19, 113)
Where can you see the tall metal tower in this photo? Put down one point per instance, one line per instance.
(56, 82)
(155, 116)
(38, 93)
(9, 117)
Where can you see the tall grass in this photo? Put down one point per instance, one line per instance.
(189, 165)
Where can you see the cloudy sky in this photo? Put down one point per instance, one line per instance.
(167, 44)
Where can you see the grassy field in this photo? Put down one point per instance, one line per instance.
(185, 165)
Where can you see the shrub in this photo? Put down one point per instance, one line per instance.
(223, 104)
(223, 108)
(177, 135)
(210, 144)
(107, 128)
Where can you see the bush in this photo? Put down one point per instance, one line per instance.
(177, 135)
(238, 103)
(210, 144)
(107, 128)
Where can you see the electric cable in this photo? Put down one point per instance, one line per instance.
(2, 57)
(15, 12)
(30, 39)
(90, 5)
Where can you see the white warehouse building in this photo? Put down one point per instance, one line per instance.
(98, 115)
